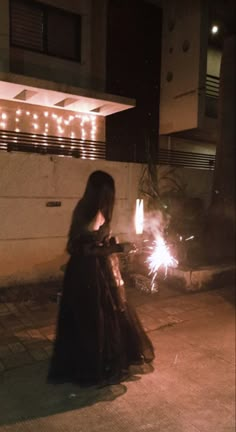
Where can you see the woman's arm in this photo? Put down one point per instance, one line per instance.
(108, 248)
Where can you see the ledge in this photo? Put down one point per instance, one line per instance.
(36, 91)
(201, 278)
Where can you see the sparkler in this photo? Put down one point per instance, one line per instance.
(160, 257)
(160, 254)
(139, 216)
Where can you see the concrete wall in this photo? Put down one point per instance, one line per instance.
(189, 145)
(33, 236)
(213, 62)
(183, 65)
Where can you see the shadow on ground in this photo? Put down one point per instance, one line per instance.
(229, 294)
(25, 394)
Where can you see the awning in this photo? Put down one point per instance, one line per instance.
(35, 91)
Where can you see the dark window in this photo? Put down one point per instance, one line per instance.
(42, 28)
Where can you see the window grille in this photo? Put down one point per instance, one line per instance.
(186, 159)
(42, 28)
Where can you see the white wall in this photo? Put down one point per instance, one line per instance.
(33, 236)
(183, 65)
(213, 62)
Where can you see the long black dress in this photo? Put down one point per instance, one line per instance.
(98, 334)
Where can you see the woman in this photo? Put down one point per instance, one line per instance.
(98, 335)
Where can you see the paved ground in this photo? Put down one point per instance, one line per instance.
(191, 389)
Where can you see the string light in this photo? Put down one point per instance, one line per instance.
(83, 126)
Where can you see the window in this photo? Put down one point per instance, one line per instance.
(42, 28)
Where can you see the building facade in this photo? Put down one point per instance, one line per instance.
(90, 85)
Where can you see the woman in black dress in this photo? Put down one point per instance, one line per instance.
(99, 335)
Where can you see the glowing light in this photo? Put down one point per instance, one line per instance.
(35, 126)
(160, 257)
(214, 29)
(189, 238)
(4, 116)
(45, 113)
(17, 130)
(17, 120)
(35, 116)
(3, 124)
(139, 216)
(27, 113)
(18, 112)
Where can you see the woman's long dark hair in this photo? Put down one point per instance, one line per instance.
(99, 195)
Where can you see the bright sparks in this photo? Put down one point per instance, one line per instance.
(139, 217)
(160, 257)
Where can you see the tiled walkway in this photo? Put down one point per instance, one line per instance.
(190, 389)
(26, 333)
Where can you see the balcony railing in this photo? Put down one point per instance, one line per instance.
(32, 143)
(186, 159)
(212, 86)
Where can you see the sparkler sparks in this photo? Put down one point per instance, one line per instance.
(160, 257)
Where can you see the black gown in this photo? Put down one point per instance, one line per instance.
(99, 335)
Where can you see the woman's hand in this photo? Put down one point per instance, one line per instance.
(128, 247)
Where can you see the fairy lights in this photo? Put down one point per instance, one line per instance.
(79, 128)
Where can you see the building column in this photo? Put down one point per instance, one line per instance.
(221, 223)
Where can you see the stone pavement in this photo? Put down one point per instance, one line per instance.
(26, 333)
(191, 389)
